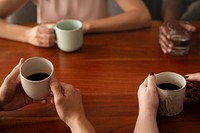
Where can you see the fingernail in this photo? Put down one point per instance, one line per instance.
(151, 74)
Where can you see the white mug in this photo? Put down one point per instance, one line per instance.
(171, 100)
(69, 35)
(35, 74)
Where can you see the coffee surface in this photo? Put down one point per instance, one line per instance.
(37, 76)
(168, 86)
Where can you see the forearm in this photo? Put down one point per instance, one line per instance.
(81, 125)
(13, 32)
(146, 123)
(124, 21)
(173, 9)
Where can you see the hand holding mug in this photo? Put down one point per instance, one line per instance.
(171, 89)
(41, 36)
(193, 87)
(193, 77)
(12, 95)
(35, 74)
(68, 103)
(67, 100)
(148, 106)
(148, 96)
(69, 35)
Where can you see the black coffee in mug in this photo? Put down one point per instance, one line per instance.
(168, 86)
(37, 76)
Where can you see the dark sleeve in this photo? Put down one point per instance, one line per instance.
(173, 9)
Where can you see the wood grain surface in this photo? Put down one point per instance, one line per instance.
(108, 70)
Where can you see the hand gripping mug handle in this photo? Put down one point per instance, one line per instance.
(52, 27)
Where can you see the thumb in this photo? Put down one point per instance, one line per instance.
(56, 87)
(193, 77)
(192, 28)
(15, 72)
(189, 27)
(151, 81)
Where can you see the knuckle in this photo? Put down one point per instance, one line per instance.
(58, 101)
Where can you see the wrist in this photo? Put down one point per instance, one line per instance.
(166, 19)
(73, 122)
(27, 35)
(78, 124)
(150, 112)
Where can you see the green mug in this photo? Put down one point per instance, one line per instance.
(69, 35)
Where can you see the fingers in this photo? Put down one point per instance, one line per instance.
(67, 88)
(45, 36)
(15, 72)
(166, 45)
(188, 27)
(193, 28)
(55, 87)
(193, 77)
(60, 89)
(151, 81)
(144, 84)
(21, 61)
(165, 39)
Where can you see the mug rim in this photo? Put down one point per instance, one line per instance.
(69, 20)
(32, 58)
(183, 86)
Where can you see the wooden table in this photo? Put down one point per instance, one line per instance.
(108, 70)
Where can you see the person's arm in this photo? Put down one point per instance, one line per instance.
(146, 123)
(135, 16)
(81, 125)
(193, 77)
(12, 95)
(39, 35)
(68, 103)
(11, 31)
(148, 105)
(173, 9)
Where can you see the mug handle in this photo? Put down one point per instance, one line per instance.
(52, 27)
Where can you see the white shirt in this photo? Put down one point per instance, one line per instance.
(55, 10)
